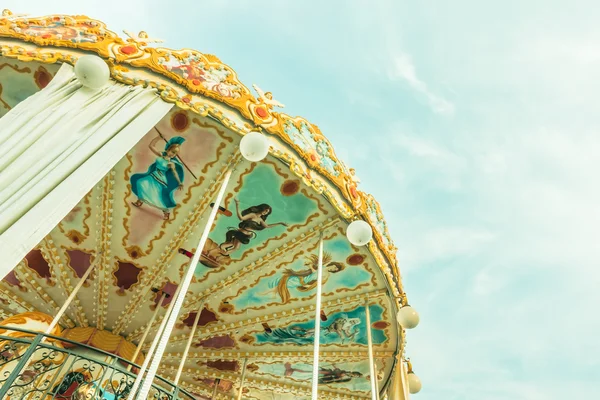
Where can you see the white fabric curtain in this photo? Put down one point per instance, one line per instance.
(56, 145)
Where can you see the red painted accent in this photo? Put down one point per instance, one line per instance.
(196, 82)
(206, 317)
(262, 112)
(353, 192)
(127, 275)
(223, 365)
(355, 259)
(290, 187)
(313, 157)
(128, 50)
(11, 278)
(381, 325)
(168, 288)
(189, 254)
(46, 36)
(186, 99)
(218, 342)
(80, 261)
(42, 78)
(180, 121)
(36, 261)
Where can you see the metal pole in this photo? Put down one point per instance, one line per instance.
(214, 393)
(185, 284)
(189, 344)
(143, 339)
(315, 377)
(374, 394)
(376, 383)
(67, 303)
(239, 396)
(150, 352)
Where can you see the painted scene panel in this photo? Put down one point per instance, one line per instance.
(346, 327)
(353, 376)
(164, 170)
(262, 207)
(343, 270)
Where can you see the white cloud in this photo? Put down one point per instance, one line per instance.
(403, 68)
(402, 150)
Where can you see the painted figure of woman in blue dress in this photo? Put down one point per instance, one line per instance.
(157, 186)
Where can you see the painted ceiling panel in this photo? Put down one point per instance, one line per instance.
(255, 284)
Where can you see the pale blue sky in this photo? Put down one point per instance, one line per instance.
(475, 123)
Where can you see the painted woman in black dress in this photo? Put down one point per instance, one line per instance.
(252, 219)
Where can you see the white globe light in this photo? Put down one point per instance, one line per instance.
(254, 146)
(414, 383)
(408, 318)
(359, 233)
(92, 71)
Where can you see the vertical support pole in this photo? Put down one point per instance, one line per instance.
(214, 393)
(157, 336)
(376, 383)
(239, 395)
(185, 284)
(67, 303)
(145, 335)
(374, 390)
(188, 345)
(315, 377)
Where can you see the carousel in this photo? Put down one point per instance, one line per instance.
(168, 233)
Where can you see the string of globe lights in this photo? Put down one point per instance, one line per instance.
(93, 73)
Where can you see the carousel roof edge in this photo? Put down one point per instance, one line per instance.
(201, 75)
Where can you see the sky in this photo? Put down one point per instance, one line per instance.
(476, 125)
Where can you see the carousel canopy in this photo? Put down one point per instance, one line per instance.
(254, 288)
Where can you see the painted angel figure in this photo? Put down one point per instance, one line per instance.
(351, 173)
(267, 98)
(141, 38)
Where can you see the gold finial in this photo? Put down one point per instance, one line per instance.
(408, 365)
(6, 13)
